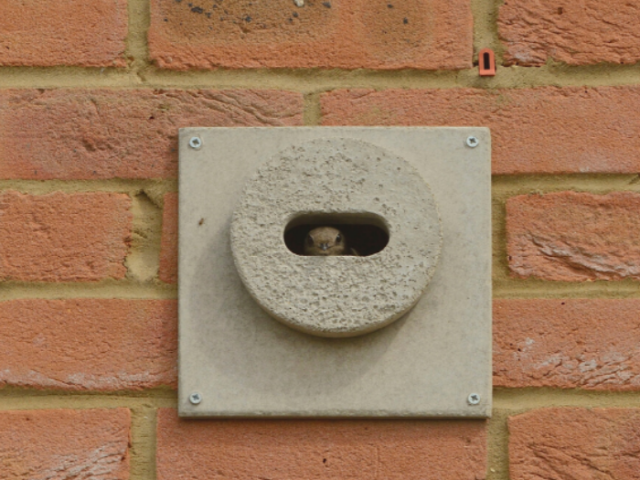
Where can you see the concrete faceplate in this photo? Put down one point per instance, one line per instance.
(329, 296)
(242, 362)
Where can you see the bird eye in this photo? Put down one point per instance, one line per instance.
(338, 238)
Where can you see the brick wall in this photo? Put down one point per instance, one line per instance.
(91, 96)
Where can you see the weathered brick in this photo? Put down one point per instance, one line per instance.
(64, 32)
(574, 237)
(577, 33)
(539, 130)
(88, 344)
(568, 343)
(168, 271)
(63, 237)
(65, 444)
(575, 443)
(96, 134)
(398, 449)
(425, 34)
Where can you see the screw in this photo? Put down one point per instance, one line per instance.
(195, 143)
(473, 399)
(195, 398)
(472, 142)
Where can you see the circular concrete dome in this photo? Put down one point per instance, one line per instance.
(336, 296)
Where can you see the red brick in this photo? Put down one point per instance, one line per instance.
(88, 344)
(577, 33)
(65, 444)
(540, 130)
(379, 34)
(574, 237)
(168, 271)
(63, 237)
(320, 449)
(568, 343)
(64, 32)
(575, 443)
(96, 134)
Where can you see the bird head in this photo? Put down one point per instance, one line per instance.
(325, 241)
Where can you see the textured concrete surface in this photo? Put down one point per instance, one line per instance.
(64, 32)
(101, 133)
(571, 236)
(336, 296)
(245, 363)
(334, 34)
(64, 237)
(577, 33)
(321, 450)
(576, 443)
(88, 344)
(592, 344)
(534, 130)
(64, 444)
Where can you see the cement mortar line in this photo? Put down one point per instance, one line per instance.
(539, 289)
(504, 287)
(120, 290)
(498, 446)
(503, 186)
(142, 459)
(30, 399)
(315, 80)
(512, 401)
(515, 401)
(485, 27)
(312, 110)
(137, 49)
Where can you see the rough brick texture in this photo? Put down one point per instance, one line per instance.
(569, 343)
(577, 33)
(96, 134)
(320, 449)
(573, 237)
(541, 130)
(65, 444)
(168, 271)
(64, 32)
(87, 344)
(380, 34)
(576, 444)
(63, 237)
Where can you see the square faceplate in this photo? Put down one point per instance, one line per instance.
(237, 361)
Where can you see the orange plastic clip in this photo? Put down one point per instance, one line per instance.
(486, 63)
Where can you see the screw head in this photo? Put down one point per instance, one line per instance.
(195, 398)
(195, 143)
(473, 399)
(472, 142)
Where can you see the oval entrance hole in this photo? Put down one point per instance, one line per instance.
(367, 234)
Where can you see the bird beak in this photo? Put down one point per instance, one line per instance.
(324, 246)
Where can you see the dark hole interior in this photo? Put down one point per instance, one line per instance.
(486, 60)
(367, 234)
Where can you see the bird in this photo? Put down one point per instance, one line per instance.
(327, 242)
